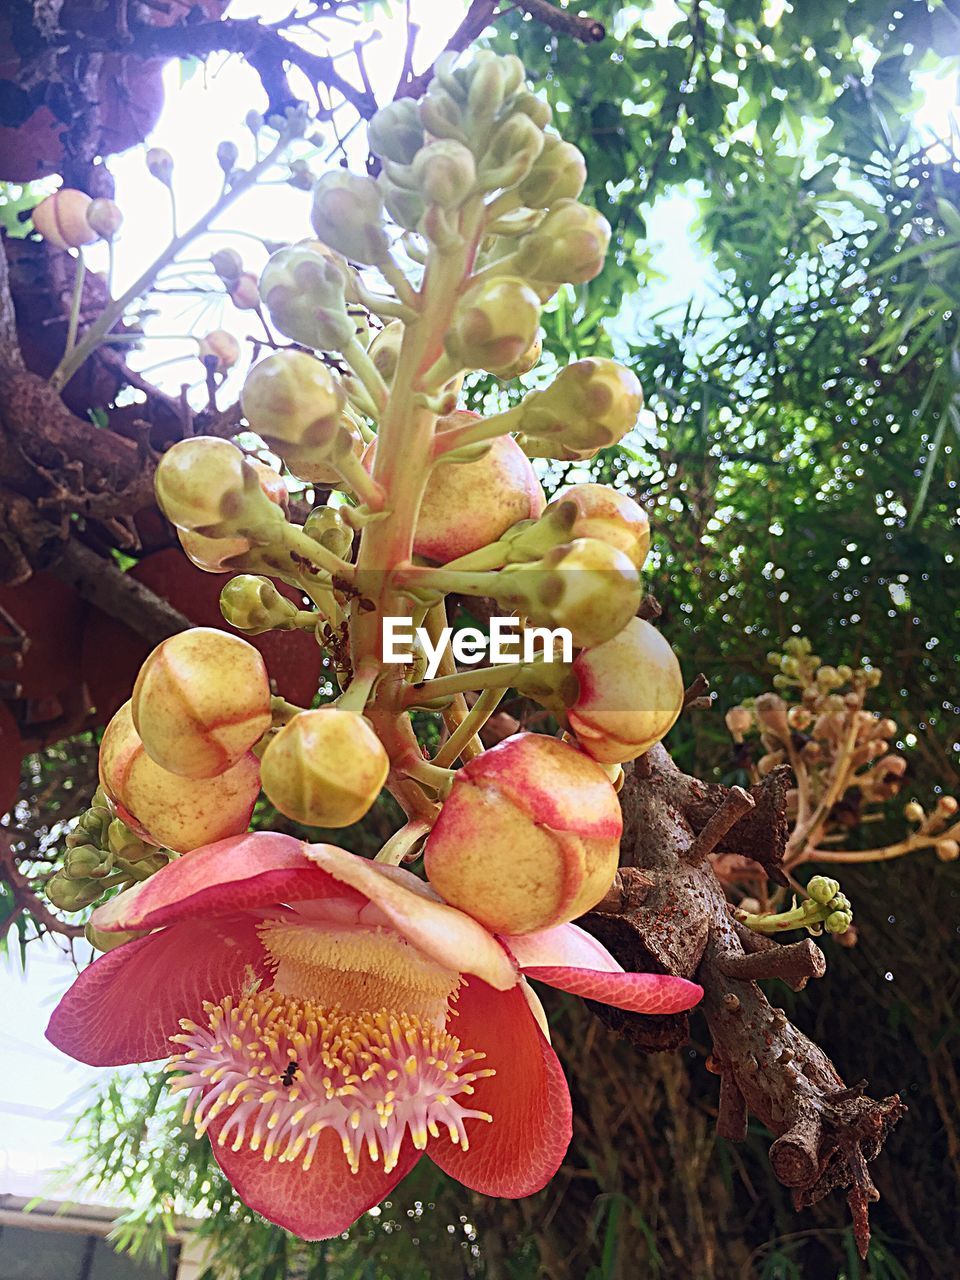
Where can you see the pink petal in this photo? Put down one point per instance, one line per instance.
(126, 1005)
(566, 944)
(447, 935)
(521, 1149)
(638, 992)
(317, 1204)
(257, 869)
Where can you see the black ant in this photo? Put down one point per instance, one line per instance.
(289, 1073)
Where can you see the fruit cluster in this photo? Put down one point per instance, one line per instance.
(439, 267)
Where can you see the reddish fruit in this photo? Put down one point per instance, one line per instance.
(111, 653)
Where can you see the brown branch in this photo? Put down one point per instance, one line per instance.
(731, 809)
(103, 583)
(575, 25)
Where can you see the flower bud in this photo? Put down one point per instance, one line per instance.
(590, 404)
(228, 153)
(244, 293)
(405, 207)
(395, 132)
(586, 586)
(444, 172)
(467, 505)
(327, 526)
(799, 718)
(104, 217)
(529, 360)
(220, 347)
(304, 291)
(629, 694)
(494, 324)
(166, 808)
(948, 850)
(384, 350)
(84, 862)
(62, 220)
(71, 895)
(528, 104)
(440, 112)
(206, 485)
(220, 555)
(771, 712)
(822, 889)
(739, 721)
(528, 837)
(125, 843)
(295, 403)
(347, 215)
(559, 173)
(102, 940)
(325, 768)
(228, 264)
(160, 164)
(601, 512)
(253, 605)
(913, 812)
(838, 921)
(201, 701)
(512, 152)
(946, 805)
(569, 245)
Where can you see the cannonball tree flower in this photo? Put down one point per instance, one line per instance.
(330, 1019)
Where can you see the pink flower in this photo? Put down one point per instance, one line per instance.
(331, 1019)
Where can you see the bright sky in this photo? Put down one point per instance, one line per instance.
(39, 1088)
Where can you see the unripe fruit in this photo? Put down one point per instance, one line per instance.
(165, 808)
(528, 837)
(254, 605)
(347, 215)
(201, 701)
(605, 513)
(220, 555)
(205, 484)
(303, 288)
(61, 219)
(630, 694)
(325, 768)
(467, 505)
(295, 403)
(569, 245)
(221, 347)
(590, 404)
(586, 586)
(494, 324)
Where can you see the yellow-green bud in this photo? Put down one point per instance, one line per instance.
(295, 403)
(304, 291)
(395, 132)
(444, 172)
(405, 207)
(254, 605)
(71, 895)
(384, 350)
(838, 921)
(347, 215)
(327, 526)
(568, 246)
(101, 940)
(512, 152)
(205, 484)
(591, 404)
(83, 862)
(494, 324)
(587, 586)
(559, 173)
(440, 113)
(822, 889)
(537, 109)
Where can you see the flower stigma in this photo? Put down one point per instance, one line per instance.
(351, 1037)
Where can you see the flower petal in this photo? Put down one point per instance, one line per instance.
(126, 1005)
(259, 868)
(447, 935)
(569, 958)
(567, 945)
(520, 1150)
(317, 1204)
(638, 992)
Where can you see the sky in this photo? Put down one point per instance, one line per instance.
(40, 1089)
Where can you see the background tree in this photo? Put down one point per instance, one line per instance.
(800, 472)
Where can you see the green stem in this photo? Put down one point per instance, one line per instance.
(72, 360)
(403, 842)
(355, 474)
(368, 373)
(483, 429)
(295, 540)
(503, 676)
(476, 718)
(416, 578)
(76, 302)
(356, 696)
